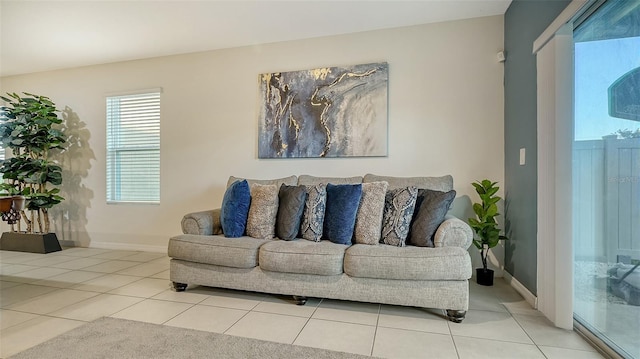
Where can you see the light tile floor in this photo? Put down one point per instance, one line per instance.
(43, 296)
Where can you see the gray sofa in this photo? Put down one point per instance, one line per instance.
(409, 276)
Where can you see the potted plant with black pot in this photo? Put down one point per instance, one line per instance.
(29, 127)
(485, 226)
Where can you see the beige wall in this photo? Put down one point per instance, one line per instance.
(445, 117)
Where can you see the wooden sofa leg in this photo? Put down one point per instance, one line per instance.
(456, 316)
(179, 287)
(300, 300)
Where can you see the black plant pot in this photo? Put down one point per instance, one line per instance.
(30, 242)
(484, 276)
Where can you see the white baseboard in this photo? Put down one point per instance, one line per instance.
(128, 247)
(524, 292)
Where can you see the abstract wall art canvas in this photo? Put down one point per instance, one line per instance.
(324, 112)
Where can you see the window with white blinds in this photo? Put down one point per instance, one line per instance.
(133, 148)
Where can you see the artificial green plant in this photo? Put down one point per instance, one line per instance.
(29, 128)
(485, 225)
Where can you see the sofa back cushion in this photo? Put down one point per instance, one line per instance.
(340, 215)
(261, 221)
(235, 209)
(313, 216)
(289, 181)
(311, 180)
(369, 218)
(290, 208)
(444, 183)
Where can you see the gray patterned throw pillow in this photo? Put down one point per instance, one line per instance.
(313, 216)
(398, 210)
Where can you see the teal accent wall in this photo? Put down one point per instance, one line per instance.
(524, 21)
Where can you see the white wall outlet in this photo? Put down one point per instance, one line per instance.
(522, 156)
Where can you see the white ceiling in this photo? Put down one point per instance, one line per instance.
(46, 35)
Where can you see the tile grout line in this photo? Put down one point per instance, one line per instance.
(175, 301)
(11, 326)
(40, 316)
(49, 293)
(417, 331)
(453, 340)
(342, 321)
(127, 307)
(124, 285)
(528, 335)
(166, 321)
(32, 298)
(239, 319)
(107, 292)
(307, 322)
(498, 340)
(128, 296)
(375, 331)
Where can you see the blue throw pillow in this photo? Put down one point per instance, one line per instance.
(340, 213)
(235, 209)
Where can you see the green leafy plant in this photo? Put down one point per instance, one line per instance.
(28, 127)
(485, 225)
(627, 133)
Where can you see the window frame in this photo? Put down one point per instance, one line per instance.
(113, 168)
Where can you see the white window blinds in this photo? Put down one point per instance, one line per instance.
(133, 148)
(3, 154)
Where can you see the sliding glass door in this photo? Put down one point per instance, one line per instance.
(606, 175)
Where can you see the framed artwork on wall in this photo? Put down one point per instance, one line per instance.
(324, 112)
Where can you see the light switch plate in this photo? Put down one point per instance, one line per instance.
(522, 156)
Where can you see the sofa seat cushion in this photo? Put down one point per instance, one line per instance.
(239, 252)
(408, 263)
(302, 257)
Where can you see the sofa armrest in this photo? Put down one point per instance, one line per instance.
(203, 223)
(453, 232)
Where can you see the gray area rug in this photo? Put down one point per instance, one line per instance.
(119, 338)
